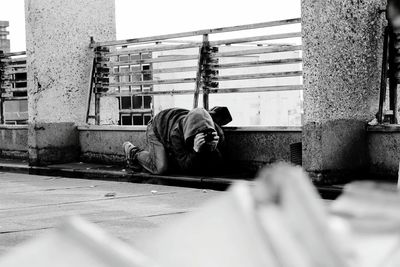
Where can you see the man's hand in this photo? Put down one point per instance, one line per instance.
(213, 144)
(198, 141)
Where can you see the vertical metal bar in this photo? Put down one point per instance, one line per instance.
(1, 88)
(392, 76)
(141, 87)
(384, 74)
(118, 78)
(90, 93)
(97, 108)
(206, 46)
(150, 54)
(198, 79)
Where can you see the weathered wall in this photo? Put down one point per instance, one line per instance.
(384, 152)
(104, 143)
(252, 149)
(58, 62)
(341, 65)
(247, 149)
(13, 141)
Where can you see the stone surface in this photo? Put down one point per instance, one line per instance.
(58, 37)
(341, 59)
(59, 61)
(342, 43)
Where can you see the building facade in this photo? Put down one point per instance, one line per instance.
(4, 41)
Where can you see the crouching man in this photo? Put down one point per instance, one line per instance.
(178, 140)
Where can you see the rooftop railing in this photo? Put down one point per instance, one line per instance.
(222, 60)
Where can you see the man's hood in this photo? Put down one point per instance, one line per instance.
(196, 121)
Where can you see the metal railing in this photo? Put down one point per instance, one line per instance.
(13, 86)
(141, 67)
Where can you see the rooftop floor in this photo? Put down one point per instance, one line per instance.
(32, 204)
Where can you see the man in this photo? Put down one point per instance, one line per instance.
(180, 140)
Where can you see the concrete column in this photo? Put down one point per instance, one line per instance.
(342, 43)
(59, 60)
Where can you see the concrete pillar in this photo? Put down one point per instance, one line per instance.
(342, 43)
(59, 60)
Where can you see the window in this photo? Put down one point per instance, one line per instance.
(134, 109)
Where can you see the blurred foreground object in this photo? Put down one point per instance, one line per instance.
(368, 215)
(277, 221)
(76, 243)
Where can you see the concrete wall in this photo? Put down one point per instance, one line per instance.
(384, 152)
(58, 62)
(14, 141)
(249, 148)
(342, 43)
(246, 147)
(104, 143)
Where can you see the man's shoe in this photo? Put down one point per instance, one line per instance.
(128, 147)
(130, 152)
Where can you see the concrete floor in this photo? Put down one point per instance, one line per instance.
(31, 205)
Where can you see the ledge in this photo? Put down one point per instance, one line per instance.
(112, 128)
(385, 128)
(263, 129)
(228, 128)
(14, 127)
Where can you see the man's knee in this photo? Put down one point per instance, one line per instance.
(161, 169)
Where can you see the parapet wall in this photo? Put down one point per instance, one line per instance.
(249, 148)
(14, 141)
(384, 152)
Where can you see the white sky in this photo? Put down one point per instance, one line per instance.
(152, 17)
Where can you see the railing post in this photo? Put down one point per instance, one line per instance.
(205, 77)
(91, 75)
(199, 74)
(384, 73)
(205, 73)
(209, 74)
(100, 79)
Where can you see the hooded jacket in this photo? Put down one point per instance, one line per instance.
(176, 129)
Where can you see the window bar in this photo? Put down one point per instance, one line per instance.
(141, 86)
(151, 87)
(130, 79)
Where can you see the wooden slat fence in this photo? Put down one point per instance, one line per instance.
(129, 67)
